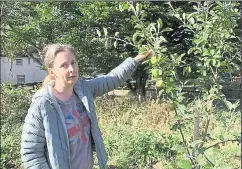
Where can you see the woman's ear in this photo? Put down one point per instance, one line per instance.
(51, 73)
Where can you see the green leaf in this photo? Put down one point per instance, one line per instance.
(184, 16)
(221, 137)
(160, 23)
(177, 16)
(204, 73)
(201, 150)
(207, 61)
(163, 49)
(188, 116)
(138, 7)
(190, 15)
(115, 44)
(189, 69)
(106, 44)
(121, 9)
(132, 8)
(162, 39)
(192, 20)
(179, 117)
(206, 53)
(161, 92)
(126, 6)
(184, 164)
(190, 51)
(167, 30)
(116, 33)
(152, 27)
(105, 31)
(212, 51)
(136, 34)
(219, 3)
(98, 33)
(229, 105)
(177, 147)
(236, 104)
(138, 26)
(213, 62)
(142, 50)
(196, 142)
(134, 18)
(217, 56)
(143, 15)
(181, 108)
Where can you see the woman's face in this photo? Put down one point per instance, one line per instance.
(65, 68)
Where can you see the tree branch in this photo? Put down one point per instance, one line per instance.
(208, 160)
(27, 40)
(118, 39)
(31, 56)
(183, 139)
(222, 142)
(205, 132)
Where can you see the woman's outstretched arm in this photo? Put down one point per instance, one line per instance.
(116, 77)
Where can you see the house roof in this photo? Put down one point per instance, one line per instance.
(39, 60)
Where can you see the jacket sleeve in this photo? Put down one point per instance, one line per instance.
(33, 140)
(113, 79)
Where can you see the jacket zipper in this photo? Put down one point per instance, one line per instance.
(64, 124)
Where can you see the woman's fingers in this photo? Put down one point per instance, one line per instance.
(142, 56)
(148, 53)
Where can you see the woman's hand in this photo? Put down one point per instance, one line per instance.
(141, 57)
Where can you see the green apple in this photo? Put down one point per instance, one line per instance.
(159, 83)
(155, 73)
(154, 60)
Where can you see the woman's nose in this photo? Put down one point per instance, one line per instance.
(71, 68)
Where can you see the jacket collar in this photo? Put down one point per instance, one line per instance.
(47, 92)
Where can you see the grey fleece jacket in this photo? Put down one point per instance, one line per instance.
(44, 140)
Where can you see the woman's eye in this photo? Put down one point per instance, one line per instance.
(64, 65)
(73, 63)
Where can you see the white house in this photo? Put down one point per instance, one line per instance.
(22, 70)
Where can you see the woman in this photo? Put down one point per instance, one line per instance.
(61, 129)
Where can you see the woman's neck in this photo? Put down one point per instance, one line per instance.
(63, 92)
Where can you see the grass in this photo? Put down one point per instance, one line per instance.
(123, 119)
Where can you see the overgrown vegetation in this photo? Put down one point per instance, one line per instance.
(135, 135)
(14, 106)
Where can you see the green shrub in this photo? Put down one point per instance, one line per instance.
(14, 104)
(143, 149)
(10, 146)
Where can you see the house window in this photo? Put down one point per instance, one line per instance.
(28, 60)
(19, 61)
(20, 79)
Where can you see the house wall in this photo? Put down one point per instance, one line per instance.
(31, 70)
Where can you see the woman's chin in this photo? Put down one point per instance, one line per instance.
(72, 81)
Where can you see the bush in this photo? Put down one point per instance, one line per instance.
(10, 146)
(14, 104)
(146, 149)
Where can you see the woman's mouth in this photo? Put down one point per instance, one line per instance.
(71, 77)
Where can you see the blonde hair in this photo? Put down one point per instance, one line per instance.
(49, 53)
